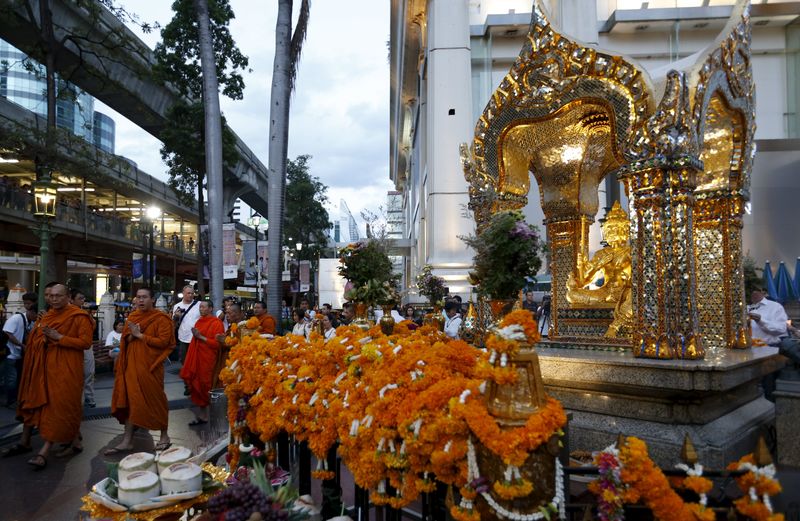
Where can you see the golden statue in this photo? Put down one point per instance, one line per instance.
(605, 281)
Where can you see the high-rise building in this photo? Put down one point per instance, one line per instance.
(104, 132)
(22, 81)
(345, 227)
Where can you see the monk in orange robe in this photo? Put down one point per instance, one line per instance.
(266, 322)
(51, 384)
(198, 369)
(139, 399)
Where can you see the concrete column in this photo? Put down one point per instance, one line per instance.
(59, 267)
(578, 19)
(449, 123)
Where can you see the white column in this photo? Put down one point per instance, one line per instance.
(107, 310)
(449, 123)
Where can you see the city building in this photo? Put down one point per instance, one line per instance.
(22, 81)
(448, 57)
(345, 227)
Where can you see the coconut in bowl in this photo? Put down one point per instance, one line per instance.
(136, 462)
(138, 487)
(181, 477)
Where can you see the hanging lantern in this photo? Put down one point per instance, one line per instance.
(44, 199)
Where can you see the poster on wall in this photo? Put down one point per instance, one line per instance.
(230, 260)
(252, 260)
(305, 276)
(140, 268)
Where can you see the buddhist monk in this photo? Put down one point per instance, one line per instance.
(51, 383)
(139, 399)
(267, 323)
(198, 369)
(233, 315)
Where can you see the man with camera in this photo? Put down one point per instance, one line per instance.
(185, 314)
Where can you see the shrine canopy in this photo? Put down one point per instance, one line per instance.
(784, 286)
(797, 278)
(769, 282)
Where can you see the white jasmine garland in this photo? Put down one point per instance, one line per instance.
(558, 501)
(385, 388)
(482, 387)
(397, 349)
(696, 471)
(417, 425)
(511, 332)
(464, 395)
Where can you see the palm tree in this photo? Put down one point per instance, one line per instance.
(288, 46)
(213, 137)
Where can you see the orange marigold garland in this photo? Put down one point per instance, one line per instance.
(758, 484)
(647, 482)
(398, 405)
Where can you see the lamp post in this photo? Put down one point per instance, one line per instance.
(44, 201)
(255, 221)
(153, 212)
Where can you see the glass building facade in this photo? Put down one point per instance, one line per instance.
(22, 81)
(104, 131)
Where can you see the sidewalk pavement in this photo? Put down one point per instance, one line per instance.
(54, 494)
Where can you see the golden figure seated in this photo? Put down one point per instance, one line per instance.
(604, 282)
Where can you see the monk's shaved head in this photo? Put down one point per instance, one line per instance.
(57, 296)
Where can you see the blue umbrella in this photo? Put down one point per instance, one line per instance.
(769, 282)
(797, 278)
(784, 284)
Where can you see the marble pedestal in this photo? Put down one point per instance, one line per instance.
(787, 407)
(717, 402)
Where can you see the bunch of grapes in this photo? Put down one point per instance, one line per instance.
(242, 501)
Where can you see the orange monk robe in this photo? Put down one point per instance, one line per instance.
(267, 324)
(51, 382)
(139, 372)
(198, 369)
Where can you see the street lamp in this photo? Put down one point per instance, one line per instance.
(256, 221)
(152, 213)
(44, 207)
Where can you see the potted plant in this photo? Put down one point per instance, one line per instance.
(432, 287)
(506, 251)
(367, 266)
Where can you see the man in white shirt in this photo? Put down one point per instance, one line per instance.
(16, 328)
(452, 322)
(185, 314)
(767, 318)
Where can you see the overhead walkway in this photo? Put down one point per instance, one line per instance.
(107, 60)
